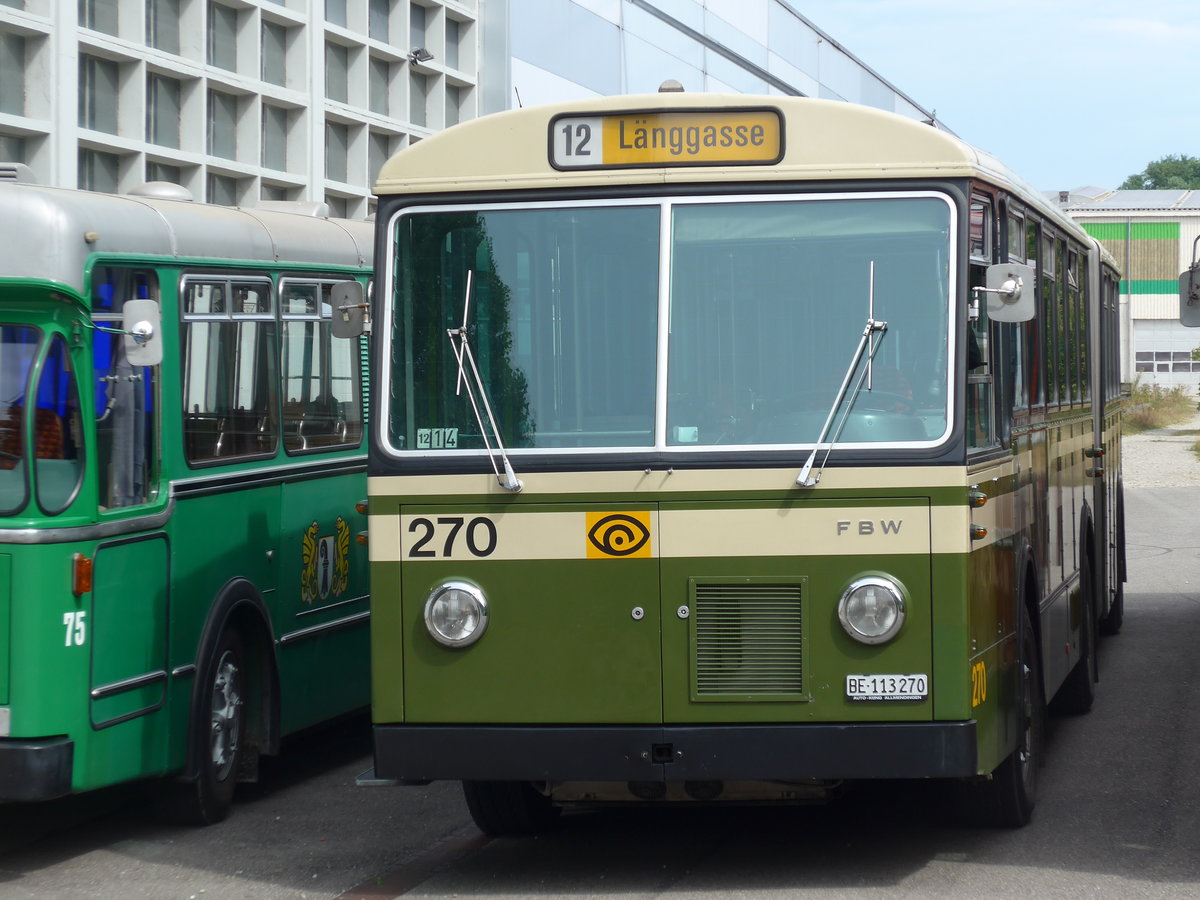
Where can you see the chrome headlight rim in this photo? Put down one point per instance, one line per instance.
(895, 590)
(481, 610)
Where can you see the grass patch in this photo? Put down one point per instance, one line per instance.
(1153, 406)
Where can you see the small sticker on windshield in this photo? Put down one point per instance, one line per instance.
(437, 438)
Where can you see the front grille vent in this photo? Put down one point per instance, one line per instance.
(748, 640)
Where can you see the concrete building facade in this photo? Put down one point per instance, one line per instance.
(246, 100)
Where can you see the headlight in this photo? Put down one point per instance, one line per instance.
(456, 614)
(872, 610)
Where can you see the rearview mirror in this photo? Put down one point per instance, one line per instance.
(1189, 297)
(1011, 292)
(349, 311)
(141, 322)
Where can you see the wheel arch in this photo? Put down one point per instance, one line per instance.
(239, 605)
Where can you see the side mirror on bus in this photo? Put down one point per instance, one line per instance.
(1011, 292)
(349, 310)
(141, 321)
(1189, 297)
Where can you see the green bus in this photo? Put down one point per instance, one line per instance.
(730, 448)
(182, 477)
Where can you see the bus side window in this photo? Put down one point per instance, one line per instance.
(980, 431)
(321, 403)
(229, 365)
(126, 399)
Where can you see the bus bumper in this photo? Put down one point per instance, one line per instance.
(422, 753)
(35, 770)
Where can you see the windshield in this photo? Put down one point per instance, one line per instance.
(681, 324)
(51, 436)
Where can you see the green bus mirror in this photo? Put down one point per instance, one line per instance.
(141, 322)
(349, 310)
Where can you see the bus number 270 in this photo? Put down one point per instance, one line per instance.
(479, 535)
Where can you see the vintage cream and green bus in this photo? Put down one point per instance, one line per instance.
(181, 458)
(728, 448)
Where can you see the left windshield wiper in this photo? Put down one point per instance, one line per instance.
(462, 352)
(805, 479)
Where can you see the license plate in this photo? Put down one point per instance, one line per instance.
(887, 687)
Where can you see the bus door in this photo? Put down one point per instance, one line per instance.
(574, 618)
(750, 622)
(322, 605)
(127, 630)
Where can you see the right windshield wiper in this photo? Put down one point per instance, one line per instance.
(864, 343)
(462, 352)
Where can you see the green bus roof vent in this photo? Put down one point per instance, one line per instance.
(18, 172)
(162, 190)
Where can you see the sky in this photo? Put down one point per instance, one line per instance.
(1067, 93)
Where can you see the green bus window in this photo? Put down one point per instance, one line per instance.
(18, 348)
(126, 401)
(57, 430)
(321, 403)
(229, 381)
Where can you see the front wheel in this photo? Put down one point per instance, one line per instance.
(218, 726)
(509, 808)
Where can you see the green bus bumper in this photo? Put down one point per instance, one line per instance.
(35, 769)
(421, 753)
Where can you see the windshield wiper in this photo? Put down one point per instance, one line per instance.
(864, 344)
(462, 352)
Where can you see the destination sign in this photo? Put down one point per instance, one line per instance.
(683, 138)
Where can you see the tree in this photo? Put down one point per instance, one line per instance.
(1173, 172)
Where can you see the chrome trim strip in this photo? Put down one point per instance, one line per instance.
(184, 671)
(320, 609)
(304, 634)
(128, 684)
(91, 532)
(204, 485)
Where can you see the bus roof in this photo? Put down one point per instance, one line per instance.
(52, 232)
(822, 139)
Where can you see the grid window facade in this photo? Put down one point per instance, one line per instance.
(378, 20)
(99, 171)
(232, 99)
(274, 53)
(274, 137)
(163, 110)
(222, 125)
(162, 25)
(98, 94)
(99, 15)
(222, 36)
(337, 72)
(12, 73)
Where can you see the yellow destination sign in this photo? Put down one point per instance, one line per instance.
(700, 137)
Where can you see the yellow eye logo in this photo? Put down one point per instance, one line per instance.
(618, 535)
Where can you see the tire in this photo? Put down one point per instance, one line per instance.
(509, 808)
(1007, 798)
(217, 733)
(1112, 621)
(1078, 692)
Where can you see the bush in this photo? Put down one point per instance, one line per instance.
(1153, 406)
